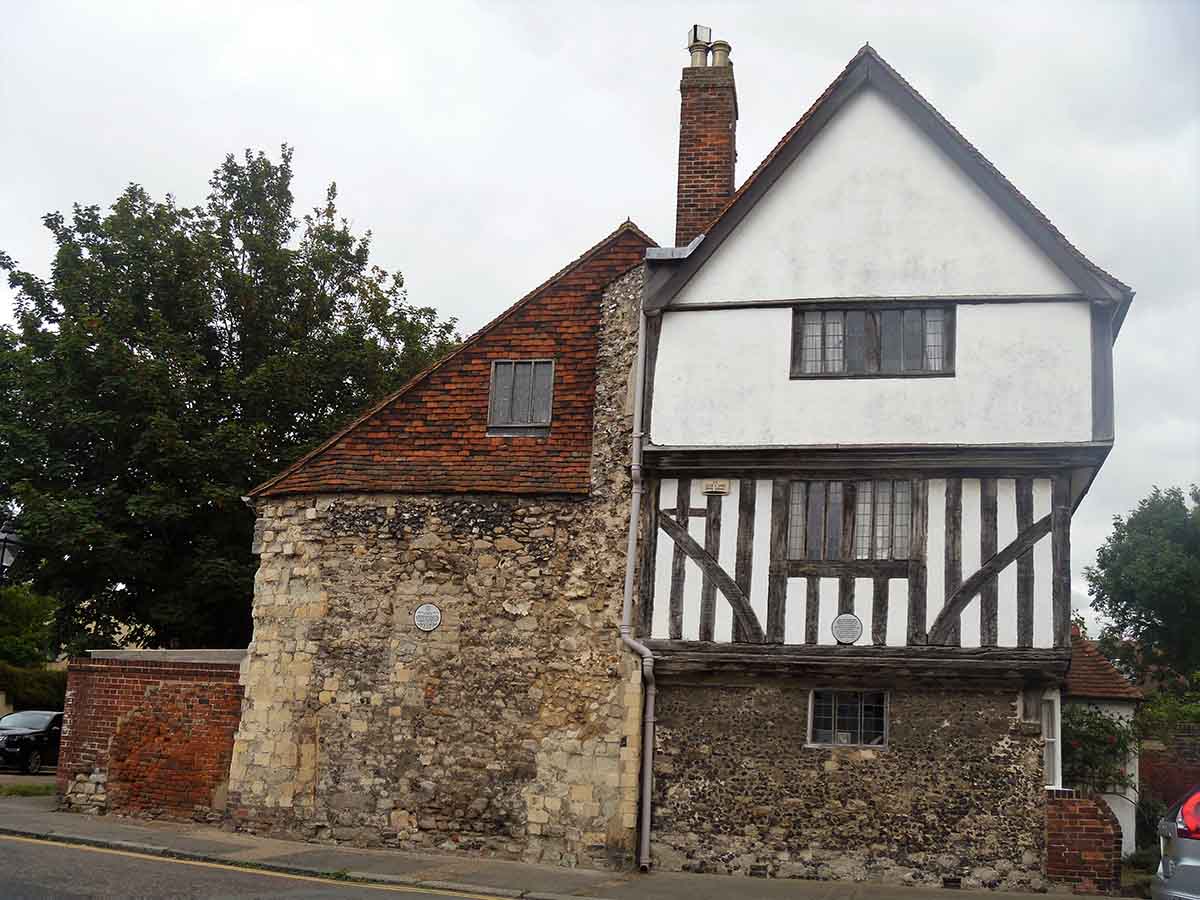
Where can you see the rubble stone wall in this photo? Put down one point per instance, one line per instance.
(511, 729)
(956, 793)
(145, 738)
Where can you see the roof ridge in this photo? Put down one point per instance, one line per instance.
(628, 226)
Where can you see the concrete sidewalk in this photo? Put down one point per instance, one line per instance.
(37, 817)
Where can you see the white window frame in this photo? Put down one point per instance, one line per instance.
(524, 427)
(887, 711)
(1054, 697)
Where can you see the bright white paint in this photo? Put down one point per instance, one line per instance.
(872, 207)
(1023, 375)
(896, 632)
(1043, 571)
(1124, 804)
(1006, 533)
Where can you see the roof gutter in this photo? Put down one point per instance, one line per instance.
(643, 652)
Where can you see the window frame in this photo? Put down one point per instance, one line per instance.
(847, 561)
(502, 429)
(949, 332)
(809, 743)
(1053, 698)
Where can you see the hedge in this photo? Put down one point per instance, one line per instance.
(33, 688)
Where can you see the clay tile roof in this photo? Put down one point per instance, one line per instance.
(1092, 675)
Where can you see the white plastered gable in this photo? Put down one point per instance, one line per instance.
(872, 207)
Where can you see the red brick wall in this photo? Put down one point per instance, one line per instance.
(707, 148)
(150, 738)
(1167, 768)
(432, 436)
(1083, 842)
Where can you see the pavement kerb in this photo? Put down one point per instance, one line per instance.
(60, 837)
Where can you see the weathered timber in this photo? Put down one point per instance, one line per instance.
(1102, 372)
(743, 613)
(1060, 551)
(916, 563)
(863, 462)
(649, 557)
(678, 571)
(743, 563)
(953, 563)
(879, 611)
(856, 568)
(948, 667)
(1025, 565)
(941, 631)
(777, 570)
(708, 588)
(989, 594)
(846, 582)
(812, 607)
(653, 333)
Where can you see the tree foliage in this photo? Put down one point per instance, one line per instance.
(1096, 749)
(1146, 582)
(175, 357)
(26, 626)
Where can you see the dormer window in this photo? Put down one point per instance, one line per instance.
(882, 341)
(522, 395)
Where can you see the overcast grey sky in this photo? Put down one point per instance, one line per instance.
(487, 144)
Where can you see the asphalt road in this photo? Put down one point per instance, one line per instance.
(40, 869)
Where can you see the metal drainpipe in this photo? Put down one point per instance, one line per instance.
(647, 657)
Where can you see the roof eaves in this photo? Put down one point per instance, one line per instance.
(628, 226)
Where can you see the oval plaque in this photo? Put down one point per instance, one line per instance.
(427, 617)
(847, 628)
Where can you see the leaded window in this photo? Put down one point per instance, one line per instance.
(848, 718)
(521, 394)
(881, 520)
(881, 341)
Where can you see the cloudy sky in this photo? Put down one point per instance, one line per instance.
(487, 144)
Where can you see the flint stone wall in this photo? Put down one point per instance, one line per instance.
(956, 793)
(511, 730)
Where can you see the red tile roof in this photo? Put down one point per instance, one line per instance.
(431, 435)
(1092, 675)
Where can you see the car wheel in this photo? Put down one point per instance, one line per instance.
(33, 762)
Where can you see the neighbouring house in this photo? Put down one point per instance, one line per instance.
(1094, 682)
(750, 554)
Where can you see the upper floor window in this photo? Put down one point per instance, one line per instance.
(876, 342)
(521, 395)
(879, 514)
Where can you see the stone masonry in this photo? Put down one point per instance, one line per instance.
(512, 729)
(956, 793)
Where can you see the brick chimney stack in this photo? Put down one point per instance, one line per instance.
(707, 136)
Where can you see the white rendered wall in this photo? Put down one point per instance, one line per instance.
(1023, 375)
(1123, 805)
(896, 631)
(872, 207)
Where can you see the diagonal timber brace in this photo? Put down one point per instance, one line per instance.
(743, 613)
(943, 626)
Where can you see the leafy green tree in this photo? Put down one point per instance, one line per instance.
(175, 357)
(1146, 582)
(26, 626)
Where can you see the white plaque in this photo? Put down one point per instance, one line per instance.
(428, 617)
(847, 628)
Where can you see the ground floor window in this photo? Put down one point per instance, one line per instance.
(848, 718)
(1051, 750)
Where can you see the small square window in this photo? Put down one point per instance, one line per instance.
(848, 718)
(522, 394)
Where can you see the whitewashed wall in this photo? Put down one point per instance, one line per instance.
(897, 619)
(872, 207)
(1023, 375)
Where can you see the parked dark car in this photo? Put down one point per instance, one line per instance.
(1178, 875)
(30, 739)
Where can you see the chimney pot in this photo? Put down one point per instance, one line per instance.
(720, 52)
(698, 38)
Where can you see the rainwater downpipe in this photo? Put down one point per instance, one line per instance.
(647, 657)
